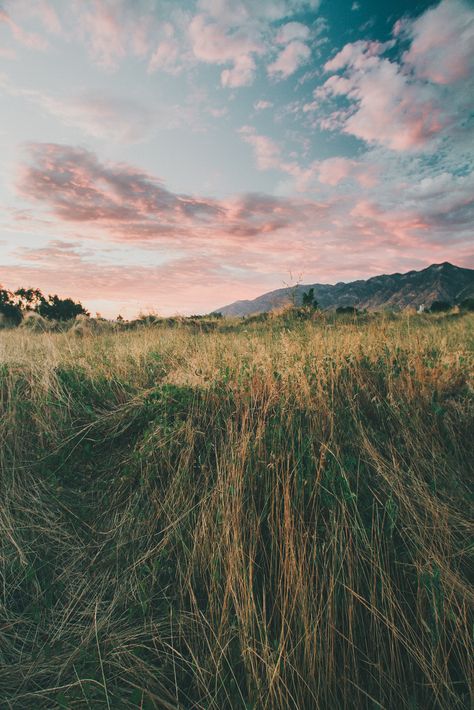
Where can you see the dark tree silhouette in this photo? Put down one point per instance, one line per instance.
(308, 299)
(55, 308)
(28, 298)
(467, 304)
(440, 307)
(8, 308)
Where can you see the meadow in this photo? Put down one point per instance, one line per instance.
(268, 515)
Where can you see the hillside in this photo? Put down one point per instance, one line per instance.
(444, 282)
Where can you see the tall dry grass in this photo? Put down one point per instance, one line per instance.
(257, 517)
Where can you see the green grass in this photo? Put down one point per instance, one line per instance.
(269, 515)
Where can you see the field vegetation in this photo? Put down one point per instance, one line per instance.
(271, 513)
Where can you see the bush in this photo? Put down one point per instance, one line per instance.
(347, 310)
(11, 313)
(440, 307)
(467, 304)
(61, 309)
(9, 310)
(308, 300)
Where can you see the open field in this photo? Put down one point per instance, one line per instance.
(261, 516)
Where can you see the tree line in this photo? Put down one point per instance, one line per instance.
(14, 305)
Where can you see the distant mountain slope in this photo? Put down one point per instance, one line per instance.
(443, 282)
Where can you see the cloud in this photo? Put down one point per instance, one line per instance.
(78, 188)
(442, 43)
(387, 107)
(127, 204)
(215, 44)
(241, 245)
(232, 34)
(262, 104)
(114, 29)
(355, 55)
(291, 31)
(110, 117)
(30, 40)
(241, 74)
(112, 288)
(330, 171)
(42, 10)
(237, 33)
(405, 103)
(295, 55)
(267, 153)
(113, 118)
(166, 57)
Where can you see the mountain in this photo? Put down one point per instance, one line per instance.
(439, 282)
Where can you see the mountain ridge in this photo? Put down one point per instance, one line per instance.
(443, 281)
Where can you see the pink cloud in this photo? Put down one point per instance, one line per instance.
(442, 47)
(166, 57)
(31, 40)
(295, 55)
(261, 105)
(291, 31)
(238, 246)
(387, 108)
(109, 116)
(111, 29)
(43, 10)
(267, 153)
(78, 188)
(330, 171)
(214, 44)
(401, 104)
(130, 205)
(241, 74)
(236, 33)
(355, 54)
(333, 170)
(128, 289)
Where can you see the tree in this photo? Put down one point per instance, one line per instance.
(28, 299)
(308, 299)
(8, 308)
(467, 304)
(55, 308)
(440, 307)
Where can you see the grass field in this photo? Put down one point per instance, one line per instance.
(268, 515)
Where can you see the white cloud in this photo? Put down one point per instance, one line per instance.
(442, 48)
(292, 30)
(409, 103)
(166, 57)
(261, 105)
(295, 55)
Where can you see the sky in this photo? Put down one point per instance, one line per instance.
(173, 156)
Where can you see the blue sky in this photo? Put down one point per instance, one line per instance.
(175, 156)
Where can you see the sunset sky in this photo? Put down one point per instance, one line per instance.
(177, 155)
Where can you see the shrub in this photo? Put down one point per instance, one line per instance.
(440, 307)
(9, 310)
(347, 310)
(467, 304)
(308, 299)
(61, 309)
